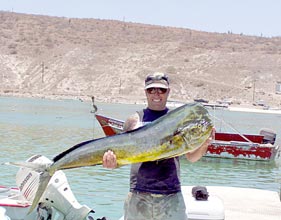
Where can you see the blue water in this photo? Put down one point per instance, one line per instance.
(48, 127)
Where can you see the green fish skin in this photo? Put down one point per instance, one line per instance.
(180, 131)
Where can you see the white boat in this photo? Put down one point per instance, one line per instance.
(17, 207)
(14, 203)
(59, 203)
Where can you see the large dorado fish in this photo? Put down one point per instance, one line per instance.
(180, 131)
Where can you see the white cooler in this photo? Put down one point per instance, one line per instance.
(212, 209)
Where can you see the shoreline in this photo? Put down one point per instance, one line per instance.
(123, 100)
(84, 98)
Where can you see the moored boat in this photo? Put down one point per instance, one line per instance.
(254, 147)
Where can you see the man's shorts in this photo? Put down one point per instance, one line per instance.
(147, 206)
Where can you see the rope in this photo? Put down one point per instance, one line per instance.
(231, 126)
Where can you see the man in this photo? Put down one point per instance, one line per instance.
(155, 190)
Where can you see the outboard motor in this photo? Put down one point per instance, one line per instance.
(269, 136)
(58, 201)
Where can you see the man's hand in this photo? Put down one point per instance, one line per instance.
(109, 160)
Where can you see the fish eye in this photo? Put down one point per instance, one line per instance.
(193, 129)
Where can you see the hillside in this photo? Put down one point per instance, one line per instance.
(56, 56)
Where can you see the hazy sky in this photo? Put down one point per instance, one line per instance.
(251, 17)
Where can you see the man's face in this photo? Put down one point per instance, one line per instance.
(157, 98)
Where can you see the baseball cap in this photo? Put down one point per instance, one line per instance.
(157, 80)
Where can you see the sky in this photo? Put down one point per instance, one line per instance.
(248, 17)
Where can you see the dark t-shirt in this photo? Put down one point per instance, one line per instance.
(159, 177)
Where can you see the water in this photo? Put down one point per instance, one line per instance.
(47, 127)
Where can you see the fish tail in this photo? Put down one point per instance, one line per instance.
(33, 166)
(44, 175)
(44, 179)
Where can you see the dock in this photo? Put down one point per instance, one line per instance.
(245, 203)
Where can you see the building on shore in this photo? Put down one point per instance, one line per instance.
(278, 87)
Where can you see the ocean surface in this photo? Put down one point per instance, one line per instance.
(30, 126)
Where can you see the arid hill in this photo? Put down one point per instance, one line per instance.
(57, 56)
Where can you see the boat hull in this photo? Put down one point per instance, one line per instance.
(15, 204)
(243, 151)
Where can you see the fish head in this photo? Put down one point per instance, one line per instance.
(196, 127)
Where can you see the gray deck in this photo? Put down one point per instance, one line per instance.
(246, 203)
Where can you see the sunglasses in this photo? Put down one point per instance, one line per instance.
(154, 90)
